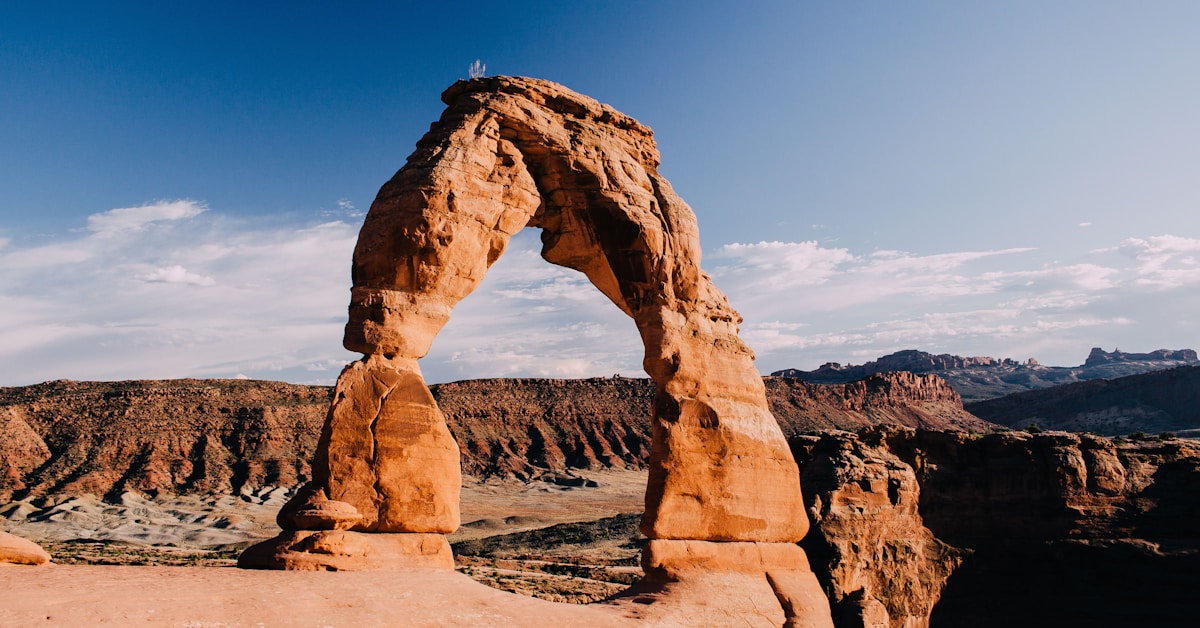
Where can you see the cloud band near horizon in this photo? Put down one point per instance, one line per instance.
(174, 289)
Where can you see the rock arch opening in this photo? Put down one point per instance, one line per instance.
(723, 494)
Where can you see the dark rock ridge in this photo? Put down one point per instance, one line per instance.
(979, 378)
(1161, 401)
(216, 436)
(1100, 357)
(1055, 529)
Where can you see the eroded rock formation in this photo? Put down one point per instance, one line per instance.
(510, 153)
(1162, 401)
(18, 551)
(880, 565)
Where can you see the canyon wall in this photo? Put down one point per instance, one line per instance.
(220, 436)
(1051, 529)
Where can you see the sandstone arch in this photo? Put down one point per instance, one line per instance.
(508, 153)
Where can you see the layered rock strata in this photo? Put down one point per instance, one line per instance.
(1162, 401)
(178, 436)
(171, 437)
(510, 153)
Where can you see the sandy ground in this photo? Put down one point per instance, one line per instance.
(210, 522)
(210, 597)
(501, 507)
(92, 595)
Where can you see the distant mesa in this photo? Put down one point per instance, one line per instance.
(910, 360)
(1099, 356)
(1158, 402)
(980, 378)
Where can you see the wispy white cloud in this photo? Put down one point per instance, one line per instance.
(1005, 301)
(172, 289)
(788, 263)
(177, 274)
(1164, 261)
(531, 318)
(125, 219)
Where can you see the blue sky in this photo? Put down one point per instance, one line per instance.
(181, 186)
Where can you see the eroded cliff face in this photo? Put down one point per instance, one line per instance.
(524, 427)
(173, 436)
(1058, 529)
(918, 401)
(880, 566)
(216, 436)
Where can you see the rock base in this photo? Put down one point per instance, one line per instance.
(339, 550)
(18, 551)
(705, 583)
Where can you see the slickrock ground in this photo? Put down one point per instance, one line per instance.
(84, 595)
(15, 550)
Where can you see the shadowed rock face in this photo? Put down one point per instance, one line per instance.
(510, 153)
(1109, 528)
(879, 564)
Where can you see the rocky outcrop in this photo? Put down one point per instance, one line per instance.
(525, 427)
(1099, 356)
(15, 550)
(869, 547)
(1162, 401)
(910, 360)
(522, 427)
(918, 401)
(1110, 527)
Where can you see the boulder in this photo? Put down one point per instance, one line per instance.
(18, 551)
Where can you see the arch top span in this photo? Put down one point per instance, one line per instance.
(508, 153)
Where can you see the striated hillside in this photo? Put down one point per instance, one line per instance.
(919, 401)
(1162, 401)
(979, 378)
(178, 436)
(220, 436)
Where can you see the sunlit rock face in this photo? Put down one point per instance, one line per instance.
(510, 153)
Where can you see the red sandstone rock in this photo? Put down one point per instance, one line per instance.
(18, 551)
(510, 153)
(385, 453)
(341, 550)
(881, 565)
(227, 436)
